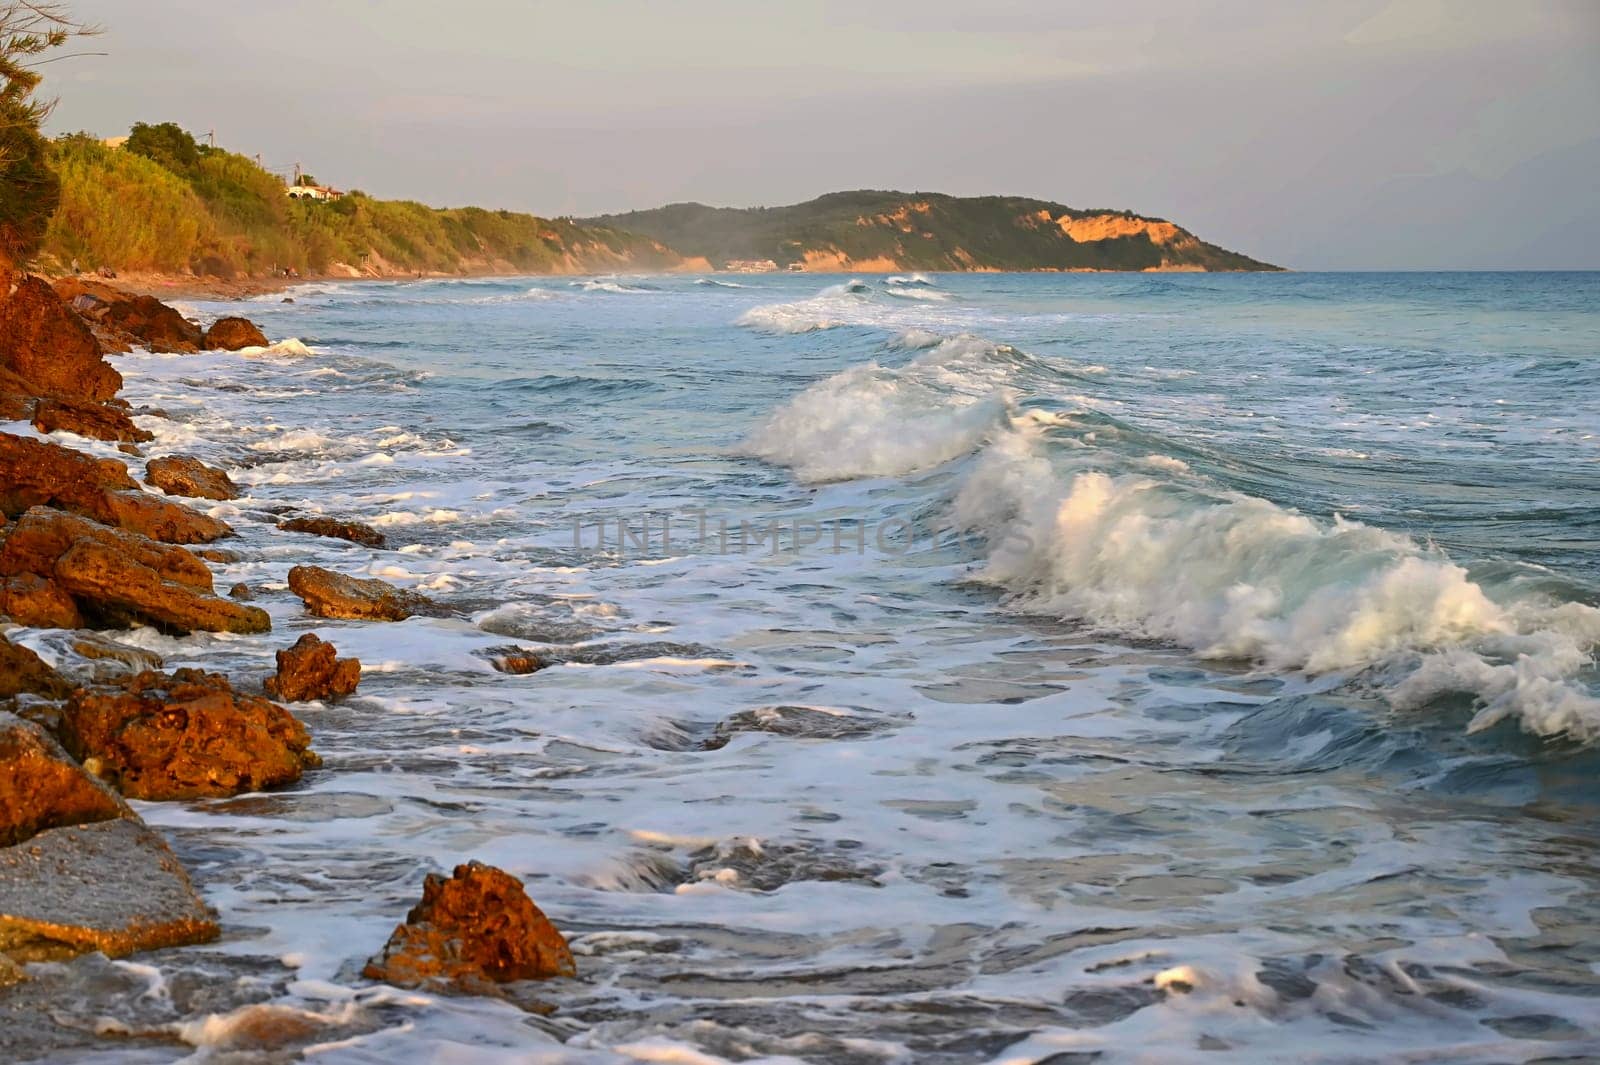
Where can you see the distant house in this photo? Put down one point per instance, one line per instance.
(749, 266)
(114, 142)
(314, 192)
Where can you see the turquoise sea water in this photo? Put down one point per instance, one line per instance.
(1152, 667)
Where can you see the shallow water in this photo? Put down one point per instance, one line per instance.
(1151, 668)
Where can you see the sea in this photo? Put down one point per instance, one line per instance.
(979, 668)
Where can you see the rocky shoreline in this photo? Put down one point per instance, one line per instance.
(85, 546)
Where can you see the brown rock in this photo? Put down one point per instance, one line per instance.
(35, 473)
(218, 555)
(180, 475)
(152, 325)
(24, 673)
(100, 649)
(241, 592)
(186, 735)
(477, 927)
(113, 578)
(311, 670)
(354, 531)
(333, 595)
(32, 600)
(41, 787)
(517, 660)
(129, 449)
(231, 334)
(48, 346)
(100, 421)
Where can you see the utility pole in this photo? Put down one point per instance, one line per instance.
(211, 135)
(297, 175)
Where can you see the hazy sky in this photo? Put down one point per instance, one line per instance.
(1331, 135)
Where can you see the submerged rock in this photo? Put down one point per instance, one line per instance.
(354, 531)
(181, 475)
(35, 473)
(514, 660)
(60, 567)
(477, 927)
(186, 735)
(311, 670)
(233, 333)
(333, 595)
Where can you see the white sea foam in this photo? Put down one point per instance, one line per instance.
(1236, 577)
(874, 421)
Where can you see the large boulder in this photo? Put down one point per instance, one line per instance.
(311, 669)
(111, 578)
(99, 421)
(152, 325)
(186, 735)
(232, 334)
(180, 475)
(78, 870)
(112, 886)
(327, 594)
(49, 347)
(476, 928)
(337, 528)
(36, 473)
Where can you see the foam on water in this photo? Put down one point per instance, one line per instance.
(1166, 760)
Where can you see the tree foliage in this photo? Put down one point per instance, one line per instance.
(29, 190)
(166, 143)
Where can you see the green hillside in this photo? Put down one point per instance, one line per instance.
(164, 203)
(930, 231)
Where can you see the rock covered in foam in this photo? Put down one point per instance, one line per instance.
(183, 475)
(60, 568)
(99, 421)
(311, 669)
(476, 928)
(233, 333)
(338, 528)
(327, 594)
(35, 473)
(186, 735)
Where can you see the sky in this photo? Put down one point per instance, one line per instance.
(1341, 134)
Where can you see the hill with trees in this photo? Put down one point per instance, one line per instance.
(873, 230)
(162, 202)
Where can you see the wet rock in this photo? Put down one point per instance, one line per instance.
(218, 555)
(241, 592)
(151, 324)
(354, 531)
(41, 787)
(800, 722)
(113, 578)
(474, 929)
(764, 865)
(35, 473)
(311, 670)
(231, 334)
(181, 475)
(186, 735)
(24, 673)
(49, 347)
(516, 660)
(99, 421)
(112, 886)
(39, 603)
(131, 659)
(130, 449)
(333, 595)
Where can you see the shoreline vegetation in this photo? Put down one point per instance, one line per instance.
(169, 214)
